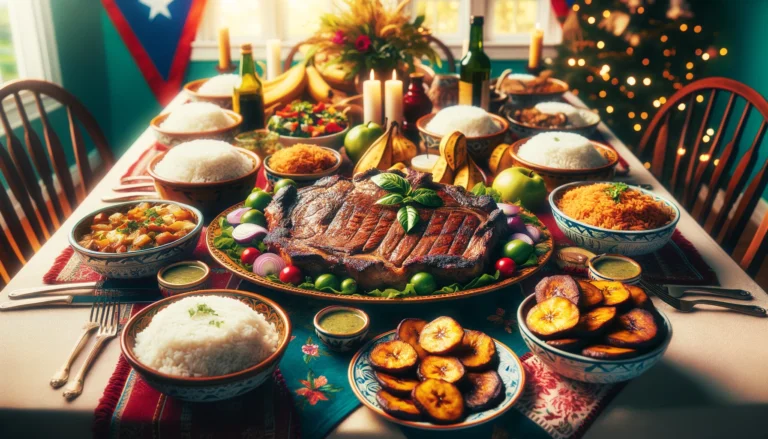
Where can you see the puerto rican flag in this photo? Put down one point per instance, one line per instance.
(159, 34)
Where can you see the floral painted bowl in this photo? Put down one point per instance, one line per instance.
(522, 130)
(600, 240)
(341, 342)
(365, 386)
(587, 369)
(139, 263)
(302, 179)
(173, 138)
(215, 388)
(168, 289)
(479, 147)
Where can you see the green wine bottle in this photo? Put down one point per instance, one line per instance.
(248, 95)
(475, 69)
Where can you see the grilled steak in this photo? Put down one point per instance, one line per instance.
(336, 226)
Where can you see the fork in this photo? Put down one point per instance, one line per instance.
(62, 375)
(109, 322)
(688, 305)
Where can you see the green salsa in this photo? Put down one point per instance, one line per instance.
(342, 322)
(616, 268)
(183, 274)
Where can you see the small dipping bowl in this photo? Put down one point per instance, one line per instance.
(341, 342)
(168, 289)
(597, 269)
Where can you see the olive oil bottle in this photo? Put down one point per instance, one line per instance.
(475, 69)
(248, 95)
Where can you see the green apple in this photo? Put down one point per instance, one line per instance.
(360, 138)
(523, 185)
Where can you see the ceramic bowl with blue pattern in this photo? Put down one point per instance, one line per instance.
(302, 180)
(600, 240)
(139, 263)
(365, 386)
(587, 369)
(479, 147)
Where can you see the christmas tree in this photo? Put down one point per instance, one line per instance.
(624, 58)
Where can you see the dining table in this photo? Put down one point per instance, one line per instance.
(711, 383)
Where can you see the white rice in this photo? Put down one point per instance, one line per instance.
(196, 117)
(571, 113)
(180, 340)
(561, 150)
(220, 85)
(471, 121)
(202, 161)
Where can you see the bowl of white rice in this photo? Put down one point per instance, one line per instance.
(562, 157)
(196, 120)
(210, 175)
(484, 130)
(552, 116)
(216, 90)
(207, 345)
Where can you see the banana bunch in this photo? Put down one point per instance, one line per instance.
(500, 159)
(390, 151)
(293, 83)
(455, 166)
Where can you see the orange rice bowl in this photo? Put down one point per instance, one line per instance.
(302, 179)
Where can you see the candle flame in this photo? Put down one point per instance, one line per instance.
(372, 78)
(538, 26)
(394, 74)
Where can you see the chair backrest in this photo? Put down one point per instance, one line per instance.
(708, 160)
(33, 171)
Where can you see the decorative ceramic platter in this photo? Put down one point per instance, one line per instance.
(214, 230)
(365, 386)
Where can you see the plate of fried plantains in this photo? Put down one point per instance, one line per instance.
(436, 375)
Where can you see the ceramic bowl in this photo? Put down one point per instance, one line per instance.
(554, 177)
(600, 240)
(210, 197)
(333, 141)
(587, 369)
(215, 388)
(479, 147)
(594, 274)
(302, 179)
(191, 88)
(168, 289)
(341, 342)
(521, 130)
(526, 99)
(134, 264)
(172, 138)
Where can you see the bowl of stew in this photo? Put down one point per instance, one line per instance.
(136, 239)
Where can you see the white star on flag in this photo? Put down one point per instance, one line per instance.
(157, 7)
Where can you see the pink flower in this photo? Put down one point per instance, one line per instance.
(338, 38)
(362, 43)
(311, 349)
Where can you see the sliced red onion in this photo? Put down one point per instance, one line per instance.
(234, 216)
(245, 233)
(533, 232)
(523, 237)
(509, 209)
(516, 224)
(268, 263)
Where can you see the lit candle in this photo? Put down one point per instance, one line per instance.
(424, 162)
(537, 42)
(393, 99)
(224, 58)
(372, 100)
(273, 59)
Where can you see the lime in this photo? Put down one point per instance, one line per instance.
(258, 200)
(254, 216)
(348, 286)
(424, 283)
(327, 281)
(517, 250)
(283, 183)
(257, 189)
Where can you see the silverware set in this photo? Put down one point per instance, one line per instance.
(129, 184)
(78, 294)
(671, 295)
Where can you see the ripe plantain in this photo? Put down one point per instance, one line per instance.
(500, 159)
(289, 89)
(484, 390)
(441, 336)
(639, 298)
(441, 172)
(403, 150)
(272, 83)
(448, 369)
(591, 296)
(318, 88)
(595, 321)
(560, 286)
(395, 385)
(604, 352)
(552, 317)
(399, 166)
(614, 293)
(638, 330)
(397, 407)
(393, 356)
(379, 154)
(468, 175)
(567, 344)
(453, 148)
(478, 350)
(440, 401)
(408, 331)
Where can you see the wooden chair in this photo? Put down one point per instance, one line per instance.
(31, 170)
(707, 159)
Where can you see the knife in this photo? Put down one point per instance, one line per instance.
(118, 285)
(679, 291)
(75, 300)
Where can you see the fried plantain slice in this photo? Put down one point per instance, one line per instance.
(484, 390)
(448, 369)
(553, 316)
(395, 385)
(393, 356)
(639, 298)
(567, 344)
(607, 352)
(440, 401)
(441, 336)
(614, 293)
(596, 320)
(408, 331)
(557, 286)
(478, 350)
(591, 296)
(638, 330)
(397, 407)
